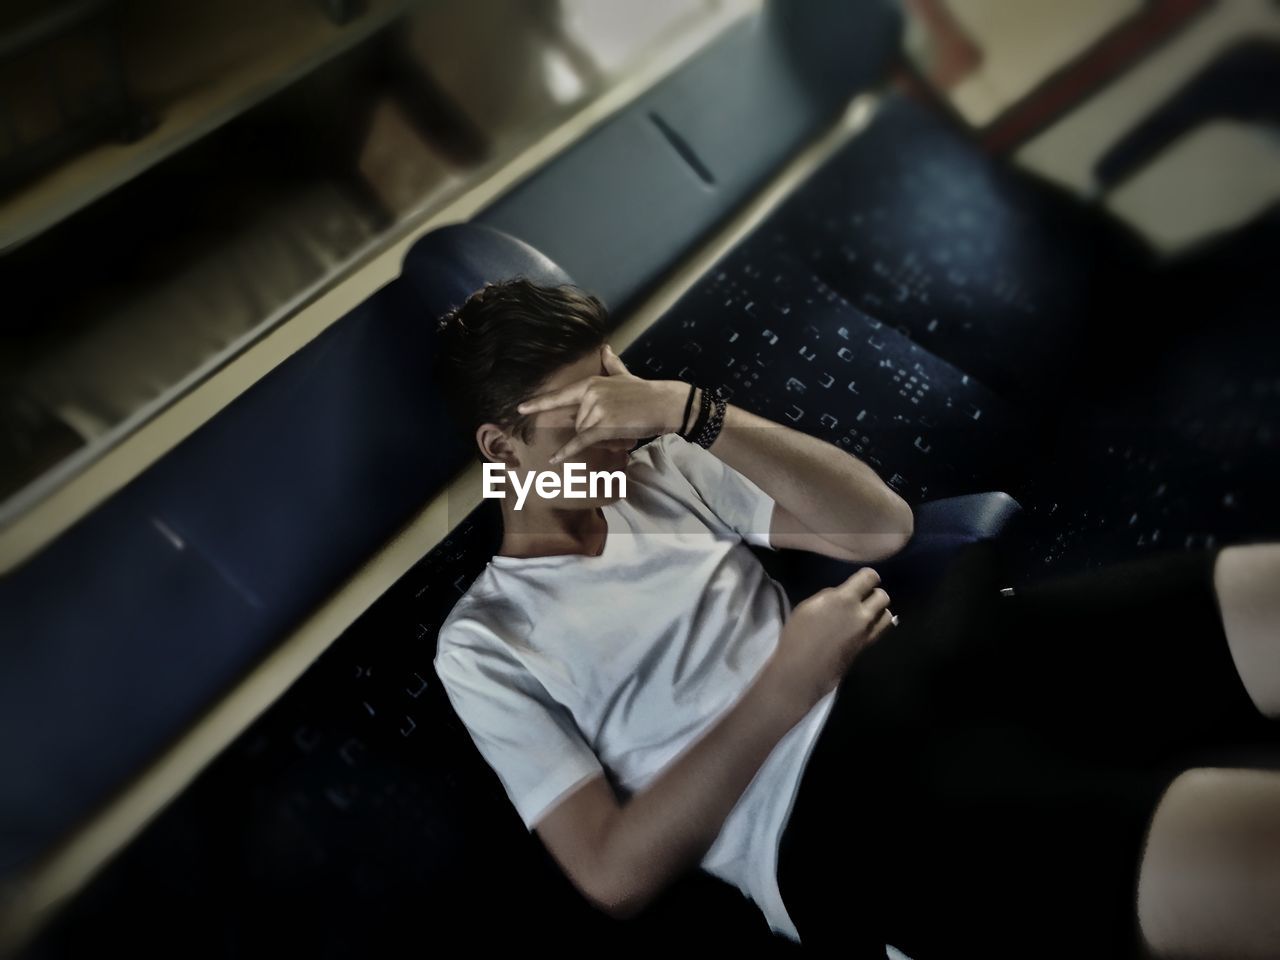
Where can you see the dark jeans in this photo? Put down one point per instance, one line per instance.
(984, 782)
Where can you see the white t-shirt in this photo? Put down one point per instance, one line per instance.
(563, 667)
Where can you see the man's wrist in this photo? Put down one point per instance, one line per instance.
(777, 697)
(677, 406)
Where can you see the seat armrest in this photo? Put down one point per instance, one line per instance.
(942, 528)
(963, 519)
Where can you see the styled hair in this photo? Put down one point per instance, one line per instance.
(505, 341)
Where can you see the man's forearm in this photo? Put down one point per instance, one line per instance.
(832, 492)
(667, 828)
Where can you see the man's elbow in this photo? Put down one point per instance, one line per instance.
(906, 520)
(893, 530)
(627, 910)
(610, 888)
(899, 526)
(616, 900)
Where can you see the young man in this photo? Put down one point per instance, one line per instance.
(651, 702)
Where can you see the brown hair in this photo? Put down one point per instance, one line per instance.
(497, 348)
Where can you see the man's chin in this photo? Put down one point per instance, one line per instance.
(617, 446)
(614, 457)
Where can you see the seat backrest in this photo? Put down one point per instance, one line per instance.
(620, 205)
(122, 631)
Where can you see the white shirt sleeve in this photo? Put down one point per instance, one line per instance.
(732, 496)
(529, 740)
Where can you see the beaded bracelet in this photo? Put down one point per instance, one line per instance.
(716, 421)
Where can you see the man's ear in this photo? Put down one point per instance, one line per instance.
(496, 444)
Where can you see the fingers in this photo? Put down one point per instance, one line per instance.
(612, 362)
(571, 394)
(861, 584)
(564, 396)
(882, 623)
(877, 601)
(585, 413)
(552, 399)
(865, 586)
(581, 441)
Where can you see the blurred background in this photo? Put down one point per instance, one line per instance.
(178, 178)
(194, 194)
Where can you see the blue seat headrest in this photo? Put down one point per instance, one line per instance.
(449, 264)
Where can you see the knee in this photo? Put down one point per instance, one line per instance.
(1246, 581)
(1210, 876)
